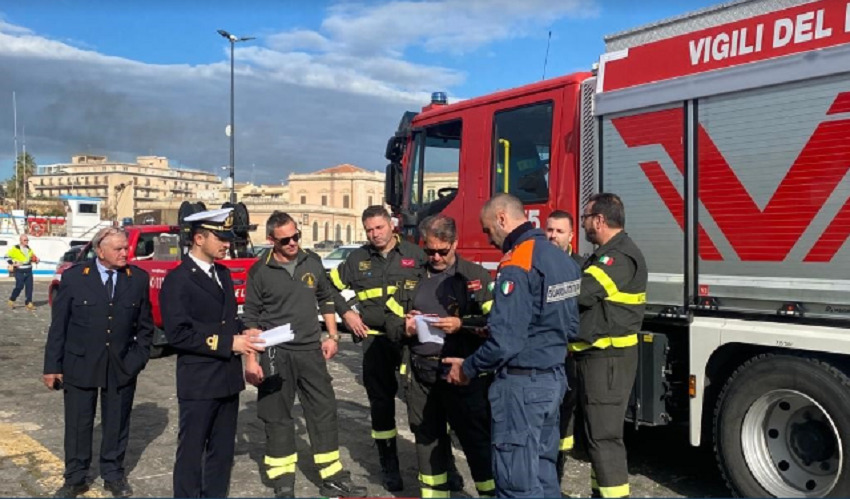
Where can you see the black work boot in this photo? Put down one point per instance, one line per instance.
(340, 486)
(390, 474)
(284, 486)
(455, 480)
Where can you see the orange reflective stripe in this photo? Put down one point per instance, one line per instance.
(520, 256)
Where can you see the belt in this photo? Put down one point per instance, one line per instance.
(530, 371)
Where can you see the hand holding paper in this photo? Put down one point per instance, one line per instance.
(278, 335)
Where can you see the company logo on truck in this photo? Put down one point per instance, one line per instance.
(766, 235)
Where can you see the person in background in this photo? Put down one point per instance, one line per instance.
(21, 258)
(560, 229)
(98, 342)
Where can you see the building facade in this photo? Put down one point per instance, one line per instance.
(327, 204)
(122, 186)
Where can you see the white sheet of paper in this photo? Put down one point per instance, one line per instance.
(426, 332)
(277, 335)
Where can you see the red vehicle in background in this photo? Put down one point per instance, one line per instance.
(155, 249)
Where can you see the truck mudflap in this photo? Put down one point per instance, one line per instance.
(651, 391)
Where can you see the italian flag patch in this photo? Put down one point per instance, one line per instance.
(507, 287)
(608, 261)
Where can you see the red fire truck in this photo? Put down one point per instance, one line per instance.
(727, 134)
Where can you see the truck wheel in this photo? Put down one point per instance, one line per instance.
(779, 427)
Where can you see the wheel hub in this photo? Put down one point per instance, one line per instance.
(791, 445)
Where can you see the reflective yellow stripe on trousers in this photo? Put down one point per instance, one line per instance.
(278, 466)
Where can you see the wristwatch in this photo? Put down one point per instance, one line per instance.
(335, 338)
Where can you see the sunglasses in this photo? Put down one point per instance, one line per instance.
(285, 240)
(430, 252)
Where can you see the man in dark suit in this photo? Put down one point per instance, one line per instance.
(199, 317)
(99, 340)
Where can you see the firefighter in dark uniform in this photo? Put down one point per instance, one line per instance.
(534, 313)
(374, 272)
(458, 293)
(560, 229)
(98, 343)
(199, 318)
(612, 302)
(286, 287)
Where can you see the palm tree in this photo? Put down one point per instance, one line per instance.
(15, 186)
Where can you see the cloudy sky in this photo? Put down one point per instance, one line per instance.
(323, 83)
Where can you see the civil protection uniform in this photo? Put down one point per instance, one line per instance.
(534, 312)
(374, 278)
(200, 322)
(99, 340)
(463, 290)
(274, 297)
(611, 304)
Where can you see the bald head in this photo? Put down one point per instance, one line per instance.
(500, 215)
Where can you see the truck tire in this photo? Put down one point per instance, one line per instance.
(779, 428)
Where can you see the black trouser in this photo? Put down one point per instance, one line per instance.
(305, 372)
(80, 406)
(568, 405)
(433, 403)
(206, 442)
(381, 359)
(23, 280)
(604, 380)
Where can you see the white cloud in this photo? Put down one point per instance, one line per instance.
(305, 99)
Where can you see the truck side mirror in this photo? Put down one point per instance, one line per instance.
(393, 186)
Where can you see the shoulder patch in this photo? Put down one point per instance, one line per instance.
(608, 261)
(507, 287)
(520, 256)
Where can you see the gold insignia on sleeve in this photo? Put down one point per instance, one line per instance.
(212, 342)
(309, 280)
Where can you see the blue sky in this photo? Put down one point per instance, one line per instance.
(324, 82)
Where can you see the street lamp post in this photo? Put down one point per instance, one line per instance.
(232, 39)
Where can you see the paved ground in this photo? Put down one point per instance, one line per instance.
(661, 462)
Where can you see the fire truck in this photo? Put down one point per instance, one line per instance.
(726, 132)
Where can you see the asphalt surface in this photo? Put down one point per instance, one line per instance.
(661, 462)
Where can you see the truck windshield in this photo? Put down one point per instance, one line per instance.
(435, 163)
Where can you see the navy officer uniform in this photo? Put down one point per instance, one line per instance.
(98, 341)
(534, 311)
(199, 316)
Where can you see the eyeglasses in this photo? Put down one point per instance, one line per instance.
(285, 240)
(586, 216)
(430, 252)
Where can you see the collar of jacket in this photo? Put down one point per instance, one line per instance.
(299, 257)
(396, 247)
(614, 242)
(516, 236)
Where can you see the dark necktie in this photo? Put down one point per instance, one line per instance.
(213, 276)
(110, 286)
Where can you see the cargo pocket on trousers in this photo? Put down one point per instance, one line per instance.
(512, 458)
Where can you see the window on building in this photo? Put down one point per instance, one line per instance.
(303, 200)
(432, 195)
(346, 200)
(327, 230)
(370, 201)
(522, 140)
(348, 233)
(338, 233)
(88, 208)
(324, 201)
(315, 231)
